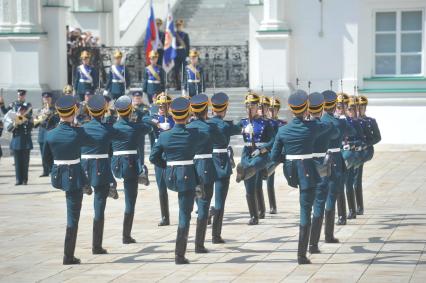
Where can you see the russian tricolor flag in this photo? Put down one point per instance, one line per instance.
(151, 35)
(170, 43)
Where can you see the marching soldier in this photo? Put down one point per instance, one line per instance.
(125, 162)
(258, 137)
(83, 115)
(174, 151)
(321, 156)
(162, 37)
(46, 121)
(294, 146)
(203, 159)
(154, 78)
(86, 77)
(14, 106)
(222, 161)
(62, 148)
(162, 121)
(274, 109)
(182, 45)
(118, 77)
(373, 136)
(95, 162)
(194, 75)
(140, 114)
(21, 143)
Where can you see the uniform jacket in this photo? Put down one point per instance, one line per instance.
(21, 136)
(82, 83)
(115, 83)
(154, 88)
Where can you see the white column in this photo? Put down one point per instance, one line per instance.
(273, 15)
(6, 15)
(28, 16)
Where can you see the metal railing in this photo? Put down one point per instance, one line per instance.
(223, 65)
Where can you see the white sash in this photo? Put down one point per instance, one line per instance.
(86, 73)
(118, 73)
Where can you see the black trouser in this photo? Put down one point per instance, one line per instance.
(22, 161)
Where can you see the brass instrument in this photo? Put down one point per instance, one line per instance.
(44, 115)
(22, 118)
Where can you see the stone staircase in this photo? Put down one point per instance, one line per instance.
(214, 22)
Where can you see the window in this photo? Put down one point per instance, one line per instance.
(398, 37)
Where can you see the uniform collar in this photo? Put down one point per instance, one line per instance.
(181, 126)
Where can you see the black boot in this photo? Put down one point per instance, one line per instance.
(359, 201)
(350, 195)
(272, 200)
(303, 245)
(245, 173)
(217, 227)
(69, 246)
(261, 203)
(341, 209)
(210, 216)
(200, 235)
(164, 206)
(127, 228)
(315, 235)
(98, 233)
(329, 227)
(252, 206)
(181, 241)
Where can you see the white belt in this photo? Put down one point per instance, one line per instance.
(153, 82)
(319, 154)
(257, 144)
(358, 148)
(193, 81)
(336, 149)
(66, 162)
(181, 47)
(118, 81)
(94, 156)
(181, 162)
(220, 150)
(125, 152)
(298, 156)
(203, 156)
(85, 81)
(156, 140)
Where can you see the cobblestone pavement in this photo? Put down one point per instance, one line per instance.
(387, 244)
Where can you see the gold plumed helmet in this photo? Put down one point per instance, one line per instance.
(251, 97)
(353, 101)
(118, 54)
(264, 100)
(179, 22)
(163, 98)
(342, 98)
(194, 53)
(153, 53)
(363, 100)
(85, 54)
(275, 102)
(158, 21)
(67, 89)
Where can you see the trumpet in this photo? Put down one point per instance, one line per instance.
(44, 115)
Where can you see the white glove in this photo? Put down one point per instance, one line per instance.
(155, 121)
(164, 126)
(105, 92)
(183, 93)
(249, 129)
(255, 153)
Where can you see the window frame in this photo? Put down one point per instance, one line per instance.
(398, 52)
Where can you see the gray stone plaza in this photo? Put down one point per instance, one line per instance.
(386, 244)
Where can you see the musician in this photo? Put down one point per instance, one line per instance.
(118, 77)
(21, 143)
(83, 115)
(63, 147)
(22, 94)
(194, 75)
(222, 161)
(86, 77)
(258, 137)
(162, 121)
(293, 145)
(154, 77)
(174, 151)
(204, 166)
(125, 162)
(45, 121)
(162, 37)
(182, 45)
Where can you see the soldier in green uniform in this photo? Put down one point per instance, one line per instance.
(62, 147)
(125, 162)
(118, 77)
(293, 145)
(174, 151)
(222, 161)
(203, 160)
